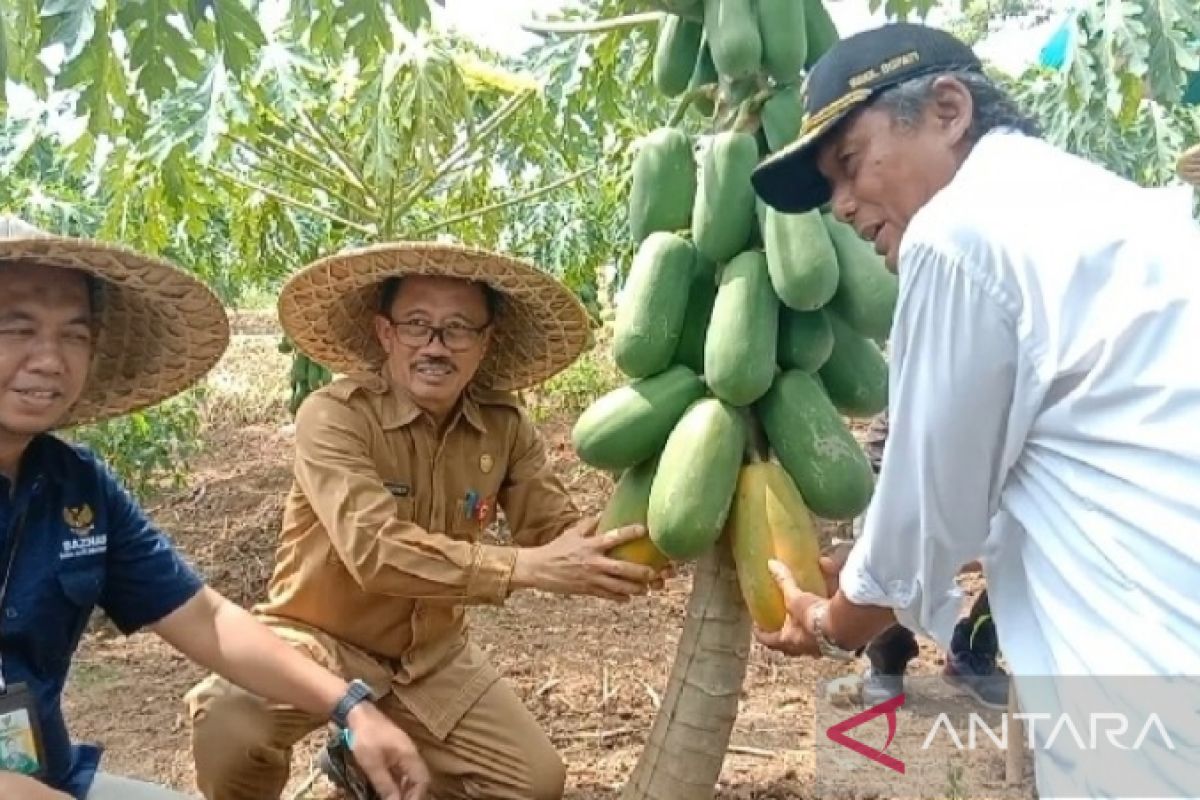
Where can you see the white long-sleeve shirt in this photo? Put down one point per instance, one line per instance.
(1045, 416)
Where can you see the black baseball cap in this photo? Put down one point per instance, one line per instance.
(848, 76)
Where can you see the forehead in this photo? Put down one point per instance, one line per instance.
(861, 128)
(421, 291)
(31, 286)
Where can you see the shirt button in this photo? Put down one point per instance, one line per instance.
(11, 613)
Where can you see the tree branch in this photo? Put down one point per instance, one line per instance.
(593, 26)
(274, 144)
(340, 157)
(274, 166)
(487, 128)
(292, 201)
(512, 201)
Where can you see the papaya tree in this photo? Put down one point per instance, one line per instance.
(1118, 98)
(739, 93)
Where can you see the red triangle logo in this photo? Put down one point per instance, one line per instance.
(887, 708)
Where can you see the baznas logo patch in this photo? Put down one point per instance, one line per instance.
(79, 519)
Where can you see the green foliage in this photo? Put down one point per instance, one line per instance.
(148, 450)
(1116, 99)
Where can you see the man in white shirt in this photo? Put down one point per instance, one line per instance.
(1044, 361)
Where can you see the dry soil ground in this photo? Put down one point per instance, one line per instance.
(559, 653)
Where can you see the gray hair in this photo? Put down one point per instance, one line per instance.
(994, 108)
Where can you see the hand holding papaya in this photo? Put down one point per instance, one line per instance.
(577, 562)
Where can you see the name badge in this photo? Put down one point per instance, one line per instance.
(20, 733)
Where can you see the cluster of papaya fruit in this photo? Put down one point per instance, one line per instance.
(306, 375)
(748, 336)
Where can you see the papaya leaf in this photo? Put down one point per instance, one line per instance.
(412, 14)
(99, 73)
(159, 51)
(369, 32)
(238, 34)
(71, 23)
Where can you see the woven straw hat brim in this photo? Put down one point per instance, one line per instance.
(161, 329)
(327, 310)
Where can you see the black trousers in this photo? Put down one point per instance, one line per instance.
(890, 651)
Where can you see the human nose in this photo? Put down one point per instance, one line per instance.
(46, 355)
(436, 341)
(842, 203)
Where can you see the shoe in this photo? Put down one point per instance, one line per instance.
(979, 676)
(878, 687)
(338, 766)
(971, 663)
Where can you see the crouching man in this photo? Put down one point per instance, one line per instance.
(399, 469)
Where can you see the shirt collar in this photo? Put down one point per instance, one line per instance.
(397, 409)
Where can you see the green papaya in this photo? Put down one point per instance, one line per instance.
(663, 187)
(732, 30)
(723, 214)
(855, 375)
(867, 291)
(805, 339)
(631, 423)
(701, 296)
(820, 32)
(649, 318)
(675, 54)
(816, 448)
(782, 28)
(800, 258)
(740, 351)
(695, 480)
(782, 116)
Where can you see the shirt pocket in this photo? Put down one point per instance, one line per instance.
(72, 597)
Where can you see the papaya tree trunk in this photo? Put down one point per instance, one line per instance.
(686, 749)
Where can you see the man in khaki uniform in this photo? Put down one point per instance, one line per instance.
(399, 468)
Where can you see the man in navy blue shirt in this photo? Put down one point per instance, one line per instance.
(90, 331)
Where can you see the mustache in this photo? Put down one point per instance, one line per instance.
(434, 361)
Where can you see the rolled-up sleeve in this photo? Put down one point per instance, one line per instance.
(384, 554)
(535, 502)
(953, 373)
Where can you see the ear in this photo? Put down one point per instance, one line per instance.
(953, 108)
(383, 329)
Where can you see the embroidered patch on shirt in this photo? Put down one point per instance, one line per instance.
(80, 519)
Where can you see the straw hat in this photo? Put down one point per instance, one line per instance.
(327, 310)
(1188, 166)
(160, 328)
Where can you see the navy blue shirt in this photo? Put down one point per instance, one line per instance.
(84, 542)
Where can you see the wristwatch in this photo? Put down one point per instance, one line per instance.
(827, 646)
(357, 693)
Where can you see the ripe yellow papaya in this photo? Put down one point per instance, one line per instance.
(770, 520)
(627, 506)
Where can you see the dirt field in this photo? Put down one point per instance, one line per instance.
(559, 653)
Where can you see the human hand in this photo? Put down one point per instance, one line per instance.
(796, 637)
(13, 784)
(831, 563)
(387, 756)
(577, 563)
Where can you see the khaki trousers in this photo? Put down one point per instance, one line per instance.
(242, 744)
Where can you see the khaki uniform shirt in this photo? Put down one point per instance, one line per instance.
(381, 543)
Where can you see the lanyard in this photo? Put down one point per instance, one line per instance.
(17, 530)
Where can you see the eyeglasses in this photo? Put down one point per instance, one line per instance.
(455, 338)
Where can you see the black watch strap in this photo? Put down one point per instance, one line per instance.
(358, 692)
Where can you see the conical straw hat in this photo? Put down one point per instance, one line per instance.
(160, 328)
(327, 310)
